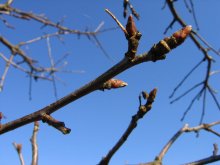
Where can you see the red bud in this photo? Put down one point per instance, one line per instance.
(114, 83)
(130, 27)
(183, 33)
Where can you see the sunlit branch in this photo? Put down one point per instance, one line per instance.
(34, 144)
(184, 129)
(117, 21)
(18, 148)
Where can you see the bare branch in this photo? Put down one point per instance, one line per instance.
(186, 92)
(207, 160)
(157, 52)
(197, 39)
(52, 73)
(117, 21)
(185, 78)
(184, 129)
(143, 109)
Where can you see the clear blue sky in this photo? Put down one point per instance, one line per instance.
(98, 119)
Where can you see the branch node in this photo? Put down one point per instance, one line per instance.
(133, 36)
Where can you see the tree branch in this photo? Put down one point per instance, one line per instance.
(18, 148)
(143, 109)
(34, 144)
(157, 52)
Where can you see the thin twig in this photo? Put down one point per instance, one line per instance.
(203, 106)
(186, 92)
(207, 160)
(206, 43)
(2, 79)
(169, 26)
(197, 39)
(117, 21)
(194, 14)
(184, 129)
(143, 109)
(214, 97)
(191, 104)
(52, 73)
(34, 144)
(101, 47)
(185, 78)
(18, 148)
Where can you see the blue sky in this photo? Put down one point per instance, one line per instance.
(99, 119)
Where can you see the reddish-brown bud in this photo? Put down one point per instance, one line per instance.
(114, 83)
(153, 94)
(181, 35)
(130, 27)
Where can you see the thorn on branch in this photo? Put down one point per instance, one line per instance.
(55, 123)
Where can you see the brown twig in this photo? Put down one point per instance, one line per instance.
(55, 123)
(117, 21)
(34, 144)
(18, 148)
(127, 3)
(143, 109)
(157, 52)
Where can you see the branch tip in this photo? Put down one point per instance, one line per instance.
(55, 123)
